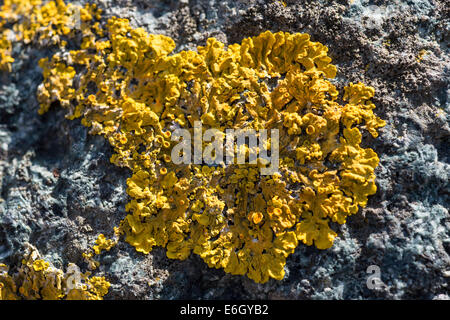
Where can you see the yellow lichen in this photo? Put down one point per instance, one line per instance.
(43, 23)
(421, 55)
(101, 244)
(38, 279)
(133, 92)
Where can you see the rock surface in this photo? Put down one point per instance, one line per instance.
(58, 190)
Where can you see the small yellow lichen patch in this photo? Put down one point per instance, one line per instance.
(101, 244)
(421, 55)
(38, 279)
(5, 51)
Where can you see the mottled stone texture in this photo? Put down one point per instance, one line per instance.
(58, 190)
